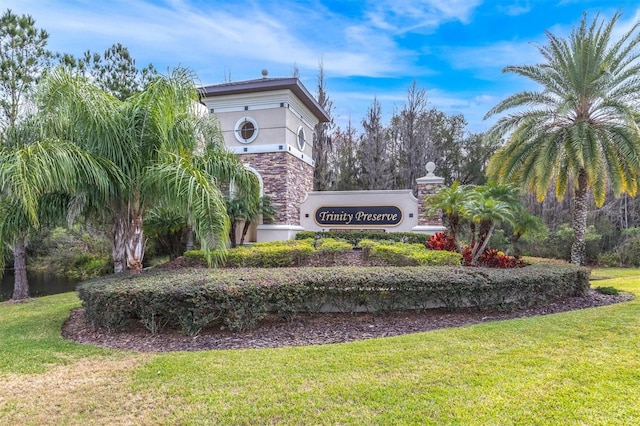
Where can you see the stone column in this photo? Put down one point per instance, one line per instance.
(286, 179)
(427, 185)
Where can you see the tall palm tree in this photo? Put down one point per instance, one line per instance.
(37, 177)
(580, 129)
(153, 137)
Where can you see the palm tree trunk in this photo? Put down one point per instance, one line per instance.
(189, 232)
(478, 249)
(578, 248)
(483, 230)
(21, 284)
(245, 229)
(454, 224)
(135, 243)
(118, 246)
(232, 234)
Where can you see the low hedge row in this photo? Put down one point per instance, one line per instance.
(261, 255)
(300, 252)
(406, 254)
(354, 237)
(192, 299)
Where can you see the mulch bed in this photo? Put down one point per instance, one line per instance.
(316, 329)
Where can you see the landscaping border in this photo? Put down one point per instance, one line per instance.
(238, 299)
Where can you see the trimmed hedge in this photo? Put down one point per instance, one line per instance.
(300, 252)
(354, 237)
(192, 299)
(261, 255)
(405, 254)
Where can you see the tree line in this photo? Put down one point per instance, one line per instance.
(573, 144)
(394, 155)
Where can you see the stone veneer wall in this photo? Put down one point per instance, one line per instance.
(286, 181)
(425, 189)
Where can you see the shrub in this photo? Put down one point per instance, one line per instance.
(442, 241)
(73, 253)
(402, 254)
(88, 265)
(492, 259)
(611, 291)
(354, 237)
(261, 255)
(299, 252)
(332, 246)
(628, 250)
(609, 259)
(557, 245)
(195, 257)
(191, 299)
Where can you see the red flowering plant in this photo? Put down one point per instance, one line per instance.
(491, 258)
(442, 241)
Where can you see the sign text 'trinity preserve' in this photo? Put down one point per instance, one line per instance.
(358, 216)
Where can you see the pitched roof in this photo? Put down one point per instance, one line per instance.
(267, 85)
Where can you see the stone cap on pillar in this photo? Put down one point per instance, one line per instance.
(430, 178)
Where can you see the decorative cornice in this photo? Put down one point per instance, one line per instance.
(268, 85)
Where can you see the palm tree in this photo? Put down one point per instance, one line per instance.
(580, 130)
(239, 211)
(37, 176)
(450, 201)
(481, 209)
(506, 193)
(153, 138)
(525, 223)
(263, 208)
(168, 228)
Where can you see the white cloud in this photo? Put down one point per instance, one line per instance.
(403, 16)
(497, 55)
(518, 7)
(238, 37)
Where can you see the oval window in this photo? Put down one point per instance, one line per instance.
(301, 138)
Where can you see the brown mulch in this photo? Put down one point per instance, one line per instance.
(316, 329)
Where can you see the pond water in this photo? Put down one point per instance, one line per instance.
(40, 284)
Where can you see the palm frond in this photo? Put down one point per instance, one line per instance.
(584, 120)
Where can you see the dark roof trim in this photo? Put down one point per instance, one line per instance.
(267, 85)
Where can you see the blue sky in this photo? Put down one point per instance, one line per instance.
(454, 49)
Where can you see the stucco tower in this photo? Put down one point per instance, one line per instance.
(270, 124)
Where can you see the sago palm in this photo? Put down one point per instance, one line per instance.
(580, 129)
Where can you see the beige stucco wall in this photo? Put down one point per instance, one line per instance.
(278, 114)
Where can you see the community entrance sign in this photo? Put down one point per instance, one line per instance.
(395, 210)
(364, 216)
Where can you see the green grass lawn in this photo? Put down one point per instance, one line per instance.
(580, 367)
